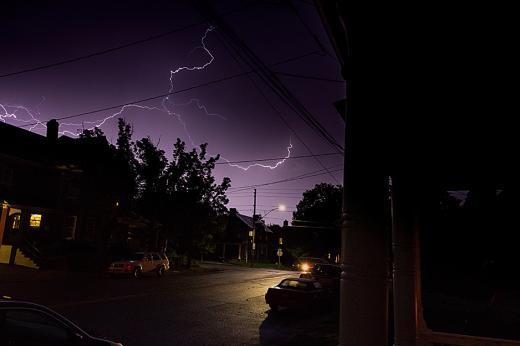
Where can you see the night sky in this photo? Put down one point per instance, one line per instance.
(232, 116)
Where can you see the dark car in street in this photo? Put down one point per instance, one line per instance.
(296, 293)
(28, 324)
(328, 275)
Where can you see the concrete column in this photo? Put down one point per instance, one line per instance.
(404, 246)
(364, 277)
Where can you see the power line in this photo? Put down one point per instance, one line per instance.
(305, 176)
(312, 173)
(177, 91)
(116, 48)
(277, 158)
(309, 30)
(267, 192)
(266, 74)
(309, 77)
(266, 196)
(253, 61)
(277, 112)
(258, 205)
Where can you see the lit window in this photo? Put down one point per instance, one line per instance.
(35, 220)
(16, 221)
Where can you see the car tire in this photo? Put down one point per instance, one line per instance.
(137, 273)
(274, 307)
(160, 271)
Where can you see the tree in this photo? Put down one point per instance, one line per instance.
(320, 205)
(127, 163)
(317, 217)
(195, 202)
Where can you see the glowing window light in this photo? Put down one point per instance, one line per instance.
(16, 221)
(35, 220)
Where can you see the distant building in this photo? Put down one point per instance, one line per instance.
(238, 239)
(52, 195)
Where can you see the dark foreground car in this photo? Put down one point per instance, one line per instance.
(328, 275)
(29, 324)
(296, 293)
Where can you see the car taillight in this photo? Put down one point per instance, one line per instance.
(128, 267)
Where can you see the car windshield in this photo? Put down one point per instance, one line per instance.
(295, 284)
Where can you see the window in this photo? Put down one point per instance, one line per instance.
(16, 221)
(69, 227)
(35, 220)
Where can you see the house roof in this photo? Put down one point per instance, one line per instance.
(249, 222)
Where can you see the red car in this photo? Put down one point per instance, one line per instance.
(296, 293)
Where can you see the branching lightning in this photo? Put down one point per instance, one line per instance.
(245, 168)
(14, 112)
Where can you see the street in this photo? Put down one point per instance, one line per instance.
(216, 305)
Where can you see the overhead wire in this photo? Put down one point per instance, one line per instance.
(215, 81)
(267, 75)
(295, 75)
(252, 61)
(277, 158)
(119, 47)
(299, 177)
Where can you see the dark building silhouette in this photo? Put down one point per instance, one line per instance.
(54, 194)
(237, 240)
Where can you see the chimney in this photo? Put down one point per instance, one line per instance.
(52, 130)
(233, 211)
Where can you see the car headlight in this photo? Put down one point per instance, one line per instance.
(305, 267)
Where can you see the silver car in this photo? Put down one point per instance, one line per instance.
(141, 263)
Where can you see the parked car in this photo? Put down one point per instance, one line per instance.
(306, 264)
(141, 263)
(25, 323)
(296, 293)
(328, 275)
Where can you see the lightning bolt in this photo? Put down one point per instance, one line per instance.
(167, 106)
(245, 168)
(12, 114)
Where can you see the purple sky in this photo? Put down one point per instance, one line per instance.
(239, 124)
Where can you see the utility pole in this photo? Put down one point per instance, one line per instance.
(253, 245)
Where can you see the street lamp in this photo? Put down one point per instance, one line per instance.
(252, 234)
(280, 207)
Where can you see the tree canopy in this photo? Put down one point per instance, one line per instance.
(320, 205)
(180, 194)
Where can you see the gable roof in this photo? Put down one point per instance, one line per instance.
(248, 221)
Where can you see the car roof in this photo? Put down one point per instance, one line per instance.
(7, 303)
(300, 279)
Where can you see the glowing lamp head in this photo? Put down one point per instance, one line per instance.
(305, 267)
(282, 207)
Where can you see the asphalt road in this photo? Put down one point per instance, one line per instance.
(223, 305)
